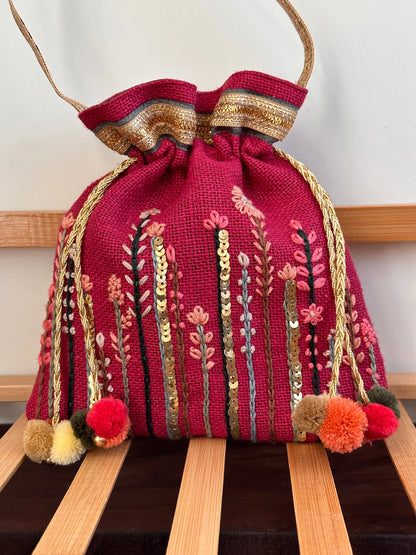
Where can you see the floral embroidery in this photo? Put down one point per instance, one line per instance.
(138, 247)
(353, 328)
(292, 342)
(244, 205)
(309, 268)
(202, 352)
(247, 332)
(313, 314)
(103, 364)
(370, 339)
(264, 288)
(45, 341)
(217, 224)
(176, 307)
(160, 265)
(119, 343)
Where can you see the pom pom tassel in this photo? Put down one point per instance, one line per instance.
(383, 396)
(66, 448)
(382, 422)
(108, 417)
(37, 440)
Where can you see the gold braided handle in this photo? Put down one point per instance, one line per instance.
(337, 265)
(287, 6)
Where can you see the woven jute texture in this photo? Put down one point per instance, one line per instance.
(205, 270)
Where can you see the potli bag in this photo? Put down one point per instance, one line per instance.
(203, 287)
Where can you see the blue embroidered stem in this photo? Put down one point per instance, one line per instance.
(53, 328)
(71, 330)
(122, 353)
(249, 349)
(159, 331)
(138, 312)
(312, 328)
(203, 347)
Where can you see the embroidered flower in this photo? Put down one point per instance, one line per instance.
(198, 316)
(313, 314)
(288, 272)
(244, 205)
(151, 212)
(86, 283)
(155, 229)
(68, 221)
(369, 335)
(215, 220)
(114, 290)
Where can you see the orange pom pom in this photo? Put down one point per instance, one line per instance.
(343, 428)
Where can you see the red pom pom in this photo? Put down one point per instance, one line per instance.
(342, 431)
(108, 417)
(382, 421)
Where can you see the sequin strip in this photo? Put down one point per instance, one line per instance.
(247, 332)
(70, 330)
(293, 336)
(176, 296)
(224, 306)
(264, 281)
(165, 338)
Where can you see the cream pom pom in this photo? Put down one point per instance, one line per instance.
(66, 448)
(37, 440)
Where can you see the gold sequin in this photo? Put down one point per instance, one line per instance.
(165, 336)
(292, 337)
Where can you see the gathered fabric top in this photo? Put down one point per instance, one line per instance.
(249, 102)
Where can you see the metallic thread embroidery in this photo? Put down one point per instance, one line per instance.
(202, 352)
(236, 109)
(160, 265)
(218, 224)
(103, 363)
(293, 336)
(247, 332)
(176, 307)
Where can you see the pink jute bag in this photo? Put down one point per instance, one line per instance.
(203, 287)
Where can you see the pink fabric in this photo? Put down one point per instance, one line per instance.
(186, 186)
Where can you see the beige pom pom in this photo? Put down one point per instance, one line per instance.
(310, 413)
(37, 440)
(66, 448)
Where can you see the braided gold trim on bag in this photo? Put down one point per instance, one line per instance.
(74, 242)
(337, 265)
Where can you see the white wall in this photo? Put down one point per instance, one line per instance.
(357, 129)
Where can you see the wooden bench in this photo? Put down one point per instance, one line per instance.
(195, 529)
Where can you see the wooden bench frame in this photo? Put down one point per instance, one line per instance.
(196, 524)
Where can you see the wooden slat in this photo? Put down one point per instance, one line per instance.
(74, 523)
(196, 524)
(403, 385)
(402, 449)
(320, 524)
(29, 229)
(395, 222)
(11, 450)
(16, 388)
